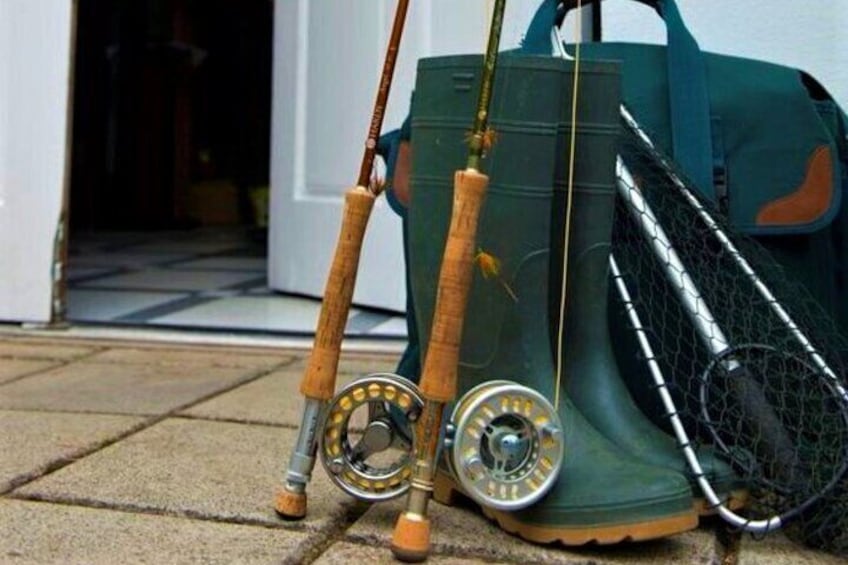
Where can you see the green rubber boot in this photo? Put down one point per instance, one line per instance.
(603, 495)
(591, 372)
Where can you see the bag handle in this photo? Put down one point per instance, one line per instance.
(689, 104)
(565, 6)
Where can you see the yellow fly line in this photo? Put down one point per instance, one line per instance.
(578, 29)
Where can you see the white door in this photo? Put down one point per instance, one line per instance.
(35, 72)
(327, 59)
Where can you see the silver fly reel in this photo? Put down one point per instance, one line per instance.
(505, 445)
(366, 439)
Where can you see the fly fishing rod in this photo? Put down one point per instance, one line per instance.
(411, 537)
(319, 378)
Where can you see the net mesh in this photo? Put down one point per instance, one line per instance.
(738, 368)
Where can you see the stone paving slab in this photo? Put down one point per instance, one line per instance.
(37, 532)
(118, 388)
(345, 553)
(31, 442)
(11, 369)
(777, 549)
(464, 531)
(198, 468)
(194, 358)
(275, 399)
(43, 350)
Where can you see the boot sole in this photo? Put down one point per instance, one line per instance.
(446, 491)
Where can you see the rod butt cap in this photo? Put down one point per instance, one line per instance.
(290, 505)
(411, 539)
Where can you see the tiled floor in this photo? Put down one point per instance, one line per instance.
(203, 279)
(137, 452)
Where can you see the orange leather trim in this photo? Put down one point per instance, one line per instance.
(403, 168)
(810, 201)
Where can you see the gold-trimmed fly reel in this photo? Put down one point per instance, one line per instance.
(504, 445)
(366, 439)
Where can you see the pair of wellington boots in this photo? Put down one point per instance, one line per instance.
(621, 478)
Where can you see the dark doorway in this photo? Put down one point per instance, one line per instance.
(169, 180)
(171, 114)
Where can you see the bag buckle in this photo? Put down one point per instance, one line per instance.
(720, 185)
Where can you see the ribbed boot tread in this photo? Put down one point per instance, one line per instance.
(446, 492)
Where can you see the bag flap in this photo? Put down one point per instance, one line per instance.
(782, 165)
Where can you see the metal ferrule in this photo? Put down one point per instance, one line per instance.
(302, 458)
(424, 469)
(419, 497)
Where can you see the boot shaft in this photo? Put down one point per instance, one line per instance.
(515, 218)
(523, 215)
(591, 199)
(602, 494)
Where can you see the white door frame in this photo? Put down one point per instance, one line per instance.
(36, 49)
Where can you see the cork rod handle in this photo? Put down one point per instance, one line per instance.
(438, 378)
(319, 379)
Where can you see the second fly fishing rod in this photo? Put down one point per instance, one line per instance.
(319, 378)
(411, 538)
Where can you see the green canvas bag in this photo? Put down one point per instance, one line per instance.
(764, 143)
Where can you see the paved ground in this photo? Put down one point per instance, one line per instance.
(117, 452)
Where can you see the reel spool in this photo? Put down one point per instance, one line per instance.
(369, 455)
(504, 445)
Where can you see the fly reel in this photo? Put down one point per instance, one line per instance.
(504, 445)
(365, 449)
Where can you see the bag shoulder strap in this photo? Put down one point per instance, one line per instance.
(689, 102)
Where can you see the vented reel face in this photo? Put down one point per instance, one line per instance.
(505, 445)
(367, 436)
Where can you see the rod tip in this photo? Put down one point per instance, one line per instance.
(411, 538)
(290, 505)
